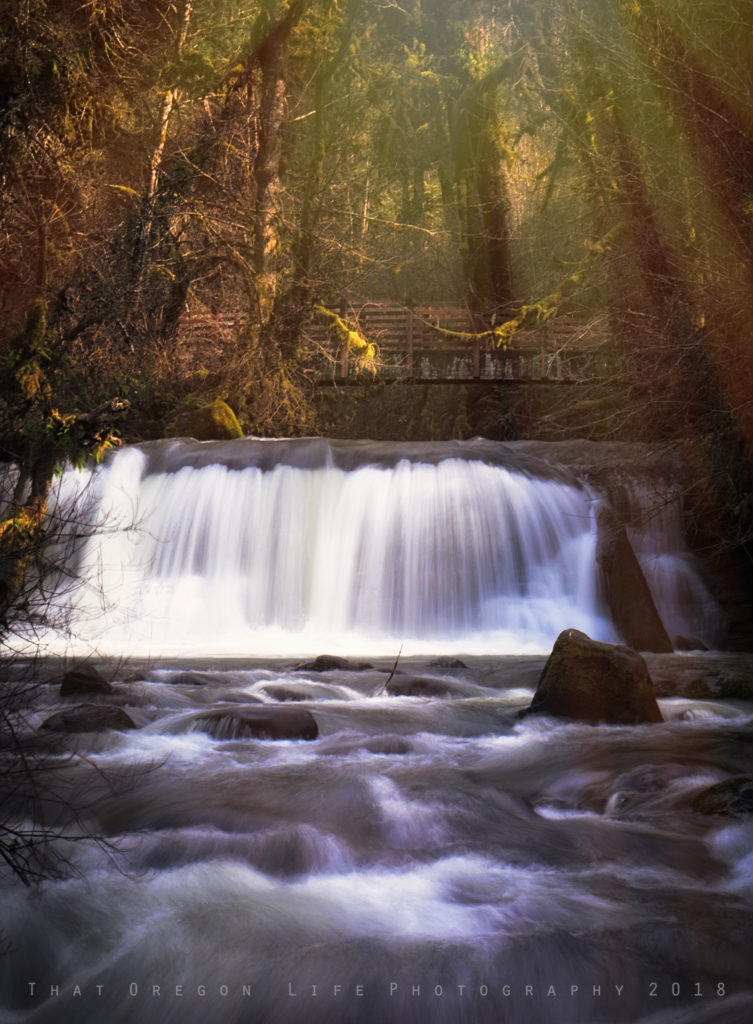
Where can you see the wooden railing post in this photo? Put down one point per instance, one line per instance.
(409, 339)
(543, 346)
(344, 352)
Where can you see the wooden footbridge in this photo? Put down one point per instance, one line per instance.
(448, 343)
(441, 344)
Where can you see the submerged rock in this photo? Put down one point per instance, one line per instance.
(732, 796)
(419, 686)
(262, 723)
(445, 662)
(589, 681)
(84, 679)
(89, 718)
(330, 663)
(389, 744)
(627, 593)
(193, 677)
(283, 693)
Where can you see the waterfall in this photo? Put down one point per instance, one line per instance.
(257, 547)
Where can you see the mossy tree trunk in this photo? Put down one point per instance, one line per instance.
(266, 90)
(483, 203)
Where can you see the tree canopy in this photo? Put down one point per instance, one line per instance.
(238, 164)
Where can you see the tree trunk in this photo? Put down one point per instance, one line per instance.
(482, 194)
(155, 163)
(268, 108)
(294, 306)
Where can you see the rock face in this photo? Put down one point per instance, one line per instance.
(89, 718)
(588, 681)
(213, 422)
(627, 592)
(84, 679)
(262, 723)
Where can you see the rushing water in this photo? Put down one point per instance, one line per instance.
(266, 547)
(425, 859)
(439, 856)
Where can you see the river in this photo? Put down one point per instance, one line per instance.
(425, 859)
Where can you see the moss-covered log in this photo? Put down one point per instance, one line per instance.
(353, 340)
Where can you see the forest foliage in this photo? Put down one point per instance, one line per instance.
(185, 186)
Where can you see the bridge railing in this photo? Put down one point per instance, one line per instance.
(410, 346)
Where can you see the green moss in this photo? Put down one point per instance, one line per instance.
(36, 328)
(364, 350)
(737, 688)
(213, 422)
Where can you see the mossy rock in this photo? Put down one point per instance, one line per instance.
(213, 422)
(737, 688)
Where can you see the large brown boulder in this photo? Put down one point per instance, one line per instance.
(589, 681)
(627, 593)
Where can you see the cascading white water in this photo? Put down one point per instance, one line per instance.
(687, 608)
(258, 547)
